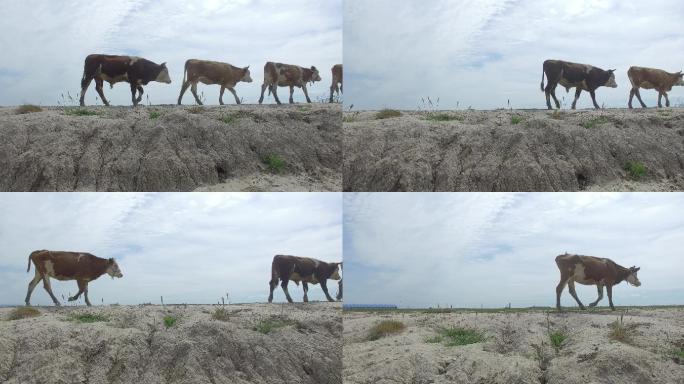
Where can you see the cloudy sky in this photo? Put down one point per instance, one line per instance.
(190, 248)
(44, 43)
(472, 249)
(482, 53)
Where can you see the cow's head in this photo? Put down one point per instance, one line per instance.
(246, 77)
(113, 269)
(632, 277)
(163, 76)
(611, 79)
(315, 76)
(335, 275)
(680, 78)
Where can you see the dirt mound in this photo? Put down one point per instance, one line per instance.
(517, 348)
(508, 150)
(255, 343)
(170, 148)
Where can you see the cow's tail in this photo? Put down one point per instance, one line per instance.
(29, 263)
(185, 71)
(542, 82)
(274, 271)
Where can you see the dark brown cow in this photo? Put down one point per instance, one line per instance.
(79, 266)
(114, 69)
(304, 269)
(213, 72)
(336, 79)
(573, 75)
(590, 270)
(651, 78)
(286, 75)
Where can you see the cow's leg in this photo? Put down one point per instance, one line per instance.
(660, 97)
(550, 91)
(274, 89)
(221, 95)
(272, 286)
(339, 291)
(593, 99)
(638, 95)
(283, 284)
(305, 286)
(291, 94)
(140, 90)
(183, 89)
(98, 88)
(193, 89)
(571, 288)
(324, 286)
(232, 90)
(599, 287)
(631, 96)
(332, 88)
(85, 83)
(134, 89)
(31, 286)
(81, 288)
(578, 91)
(306, 93)
(559, 291)
(667, 99)
(263, 89)
(609, 290)
(46, 285)
(85, 293)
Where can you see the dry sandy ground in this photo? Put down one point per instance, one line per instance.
(135, 346)
(172, 148)
(515, 150)
(517, 348)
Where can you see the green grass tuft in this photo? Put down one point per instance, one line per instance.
(28, 108)
(595, 122)
(557, 338)
(88, 318)
(23, 313)
(442, 116)
(515, 119)
(196, 109)
(435, 339)
(387, 113)
(636, 169)
(385, 328)
(274, 163)
(220, 314)
(272, 323)
(79, 112)
(169, 321)
(154, 114)
(679, 355)
(461, 336)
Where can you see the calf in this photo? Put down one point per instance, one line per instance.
(651, 78)
(590, 270)
(213, 72)
(286, 75)
(82, 267)
(573, 75)
(113, 69)
(336, 79)
(304, 269)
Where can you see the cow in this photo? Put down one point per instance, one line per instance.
(286, 75)
(80, 266)
(304, 269)
(590, 270)
(336, 79)
(213, 72)
(572, 75)
(114, 69)
(652, 78)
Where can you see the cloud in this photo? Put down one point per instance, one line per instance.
(472, 249)
(189, 248)
(44, 57)
(485, 53)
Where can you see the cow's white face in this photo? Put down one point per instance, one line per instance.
(113, 269)
(336, 273)
(681, 79)
(315, 76)
(163, 76)
(611, 80)
(246, 77)
(632, 277)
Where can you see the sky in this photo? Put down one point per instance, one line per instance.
(483, 53)
(492, 249)
(188, 248)
(44, 44)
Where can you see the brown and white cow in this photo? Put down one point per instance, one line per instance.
(114, 69)
(304, 269)
(336, 79)
(79, 266)
(572, 75)
(590, 270)
(213, 72)
(652, 78)
(286, 75)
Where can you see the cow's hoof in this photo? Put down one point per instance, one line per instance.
(58, 304)
(583, 308)
(72, 299)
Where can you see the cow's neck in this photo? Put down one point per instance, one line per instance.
(100, 266)
(622, 273)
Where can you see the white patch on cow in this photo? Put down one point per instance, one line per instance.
(247, 78)
(49, 268)
(632, 279)
(78, 258)
(579, 276)
(611, 81)
(336, 274)
(680, 81)
(163, 76)
(133, 59)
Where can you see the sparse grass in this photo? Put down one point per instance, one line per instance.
(154, 114)
(442, 116)
(679, 355)
(274, 163)
(385, 328)
(79, 112)
(228, 119)
(515, 119)
(387, 113)
(557, 115)
(23, 313)
(272, 323)
(28, 108)
(435, 339)
(169, 321)
(232, 117)
(88, 318)
(557, 338)
(593, 123)
(619, 331)
(635, 169)
(196, 109)
(461, 336)
(220, 314)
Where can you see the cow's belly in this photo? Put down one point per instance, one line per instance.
(646, 85)
(114, 79)
(285, 83)
(208, 81)
(307, 279)
(568, 84)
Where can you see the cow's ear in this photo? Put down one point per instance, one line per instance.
(637, 269)
(247, 67)
(163, 64)
(111, 260)
(313, 68)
